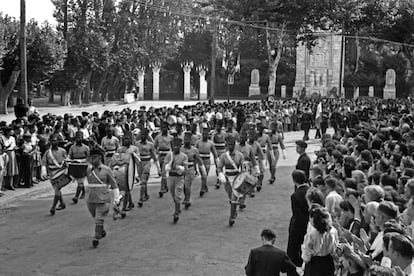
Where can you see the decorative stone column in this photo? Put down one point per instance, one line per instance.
(156, 66)
(141, 77)
(371, 92)
(187, 66)
(283, 92)
(202, 71)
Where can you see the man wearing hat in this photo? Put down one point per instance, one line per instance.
(219, 139)
(176, 165)
(79, 153)
(52, 163)
(146, 153)
(193, 157)
(162, 144)
(229, 166)
(100, 178)
(205, 147)
(304, 161)
(276, 138)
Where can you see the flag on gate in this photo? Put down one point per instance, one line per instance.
(318, 117)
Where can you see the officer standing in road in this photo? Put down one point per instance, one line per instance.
(100, 179)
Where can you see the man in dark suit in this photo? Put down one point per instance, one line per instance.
(300, 217)
(268, 260)
(306, 122)
(304, 161)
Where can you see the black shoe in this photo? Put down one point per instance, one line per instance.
(161, 194)
(140, 204)
(146, 197)
(123, 215)
(231, 222)
(187, 205)
(95, 243)
(52, 211)
(242, 206)
(103, 234)
(82, 196)
(258, 188)
(61, 207)
(202, 193)
(131, 206)
(175, 219)
(272, 180)
(75, 200)
(217, 186)
(252, 195)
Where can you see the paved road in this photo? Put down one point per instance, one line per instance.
(146, 242)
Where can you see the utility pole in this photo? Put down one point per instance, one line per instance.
(213, 62)
(23, 62)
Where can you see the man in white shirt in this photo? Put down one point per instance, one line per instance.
(333, 199)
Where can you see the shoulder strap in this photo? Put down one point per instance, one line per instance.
(231, 160)
(97, 178)
(53, 158)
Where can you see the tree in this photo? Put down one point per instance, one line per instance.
(9, 72)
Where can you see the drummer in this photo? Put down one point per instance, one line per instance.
(79, 153)
(229, 166)
(176, 165)
(100, 178)
(205, 146)
(193, 156)
(110, 144)
(162, 144)
(52, 163)
(146, 153)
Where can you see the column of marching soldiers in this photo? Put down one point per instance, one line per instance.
(240, 158)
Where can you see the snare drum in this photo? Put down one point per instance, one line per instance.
(60, 179)
(243, 184)
(77, 169)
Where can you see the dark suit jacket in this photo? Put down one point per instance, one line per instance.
(268, 260)
(300, 214)
(304, 164)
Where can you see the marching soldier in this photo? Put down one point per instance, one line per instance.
(193, 157)
(52, 162)
(162, 144)
(276, 139)
(205, 148)
(266, 146)
(146, 153)
(100, 179)
(229, 166)
(127, 159)
(176, 165)
(259, 156)
(219, 139)
(110, 144)
(79, 152)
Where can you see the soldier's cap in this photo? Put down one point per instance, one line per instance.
(177, 141)
(302, 144)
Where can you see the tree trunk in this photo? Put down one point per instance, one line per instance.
(87, 88)
(5, 91)
(51, 95)
(98, 90)
(358, 52)
(274, 62)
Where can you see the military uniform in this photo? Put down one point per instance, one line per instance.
(146, 153)
(266, 147)
(219, 140)
(162, 144)
(177, 165)
(205, 148)
(98, 198)
(276, 139)
(79, 153)
(193, 157)
(230, 172)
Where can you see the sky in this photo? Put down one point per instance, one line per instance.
(40, 10)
